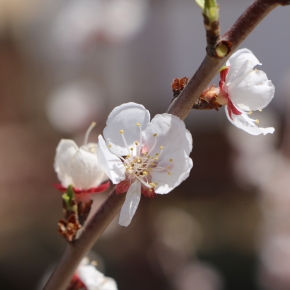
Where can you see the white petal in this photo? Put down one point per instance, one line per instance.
(85, 170)
(171, 134)
(240, 63)
(179, 170)
(254, 92)
(65, 151)
(108, 284)
(130, 205)
(110, 163)
(247, 124)
(125, 117)
(90, 276)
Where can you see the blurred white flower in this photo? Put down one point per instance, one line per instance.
(73, 105)
(79, 167)
(243, 90)
(143, 156)
(82, 23)
(92, 278)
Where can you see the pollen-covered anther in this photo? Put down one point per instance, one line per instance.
(161, 147)
(154, 135)
(257, 121)
(170, 160)
(145, 173)
(138, 124)
(251, 112)
(131, 149)
(136, 143)
(260, 110)
(169, 173)
(121, 131)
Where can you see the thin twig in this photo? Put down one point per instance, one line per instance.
(77, 250)
(210, 66)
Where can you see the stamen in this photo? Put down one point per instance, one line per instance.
(124, 140)
(155, 140)
(88, 132)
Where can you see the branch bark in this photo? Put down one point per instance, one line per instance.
(77, 250)
(210, 66)
(180, 107)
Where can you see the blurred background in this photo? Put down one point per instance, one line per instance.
(66, 63)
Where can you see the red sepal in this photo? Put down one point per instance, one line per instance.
(232, 109)
(104, 186)
(124, 185)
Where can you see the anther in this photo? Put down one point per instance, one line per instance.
(257, 121)
(169, 173)
(110, 145)
(170, 160)
(260, 110)
(161, 147)
(145, 173)
(136, 143)
(251, 112)
(138, 124)
(121, 131)
(155, 134)
(157, 154)
(131, 149)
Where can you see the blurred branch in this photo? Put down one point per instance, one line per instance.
(228, 43)
(75, 251)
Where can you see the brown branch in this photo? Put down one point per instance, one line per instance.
(210, 66)
(181, 107)
(78, 249)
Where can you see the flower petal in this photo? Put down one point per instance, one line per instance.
(65, 151)
(130, 205)
(240, 63)
(247, 124)
(126, 117)
(85, 170)
(171, 134)
(109, 162)
(179, 170)
(252, 92)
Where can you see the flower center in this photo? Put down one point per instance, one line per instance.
(139, 163)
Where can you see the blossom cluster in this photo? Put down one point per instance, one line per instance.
(137, 155)
(151, 157)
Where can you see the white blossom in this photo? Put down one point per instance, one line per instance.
(93, 279)
(79, 167)
(143, 156)
(243, 90)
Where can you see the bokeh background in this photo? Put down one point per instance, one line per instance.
(66, 63)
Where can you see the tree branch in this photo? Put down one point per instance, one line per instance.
(210, 66)
(77, 250)
(180, 107)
